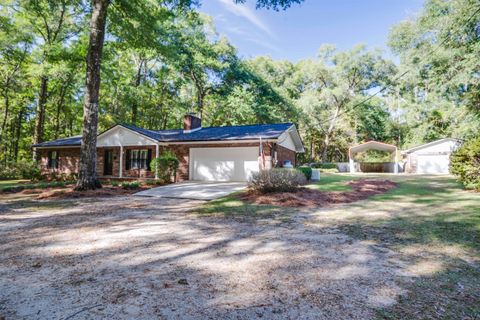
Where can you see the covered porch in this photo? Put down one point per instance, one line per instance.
(123, 154)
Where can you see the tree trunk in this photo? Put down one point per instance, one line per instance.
(328, 134)
(87, 177)
(40, 114)
(18, 132)
(4, 124)
(138, 81)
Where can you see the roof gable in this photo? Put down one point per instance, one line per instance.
(227, 133)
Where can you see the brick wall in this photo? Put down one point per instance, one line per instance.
(137, 173)
(69, 158)
(68, 161)
(285, 154)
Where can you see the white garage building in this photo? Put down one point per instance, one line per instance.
(430, 158)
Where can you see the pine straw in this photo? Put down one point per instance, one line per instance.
(305, 197)
(70, 193)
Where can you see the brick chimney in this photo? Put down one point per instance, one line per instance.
(191, 123)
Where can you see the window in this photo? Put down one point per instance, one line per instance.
(138, 159)
(53, 159)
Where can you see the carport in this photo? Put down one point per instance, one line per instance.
(373, 145)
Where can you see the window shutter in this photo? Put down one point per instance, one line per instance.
(149, 158)
(49, 159)
(128, 160)
(57, 159)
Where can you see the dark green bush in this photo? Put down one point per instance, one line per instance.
(307, 171)
(465, 164)
(22, 169)
(320, 165)
(276, 180)
(325, 167)
(167, 166)
(131, 185)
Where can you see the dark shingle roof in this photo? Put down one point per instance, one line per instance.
(227, 133)
(64, 142)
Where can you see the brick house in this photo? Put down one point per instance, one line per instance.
(229, 153)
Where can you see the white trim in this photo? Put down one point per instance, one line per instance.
(120, 170)
(219, 142)
(430, 144)
(157, 153)
(132, 131)
(192, 130)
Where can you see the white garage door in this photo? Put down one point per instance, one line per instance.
(223, 164)
(434, 164)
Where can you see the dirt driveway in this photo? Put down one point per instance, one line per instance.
(149, 258)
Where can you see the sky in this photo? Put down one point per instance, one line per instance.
(298, 32)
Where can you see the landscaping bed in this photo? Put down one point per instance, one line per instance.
(306, 197)
(65, 190)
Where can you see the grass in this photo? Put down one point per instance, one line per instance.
(231, 206)
(427, 221)
(12, 185)
(333, 182)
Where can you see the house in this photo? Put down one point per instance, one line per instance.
(229, 153)
(430, 158)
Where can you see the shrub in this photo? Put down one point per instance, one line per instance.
(22, 169)
(465, 164)
(167, 166)
(153, 182)
(131, 185)
(307, 171)
(325, 167)
(320, 165)
(276, 180)
(114, 183)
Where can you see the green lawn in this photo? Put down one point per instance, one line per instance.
(430, 222)
(12, 183)
(8, 185)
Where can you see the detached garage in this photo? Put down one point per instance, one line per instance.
(430, 158)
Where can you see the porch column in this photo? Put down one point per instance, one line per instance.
(351, 162)
(156, 156)
(120, 170)
(395, 168)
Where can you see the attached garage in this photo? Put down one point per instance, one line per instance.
(430, 158)
(223, 164)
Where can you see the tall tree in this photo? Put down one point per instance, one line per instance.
(87, 174)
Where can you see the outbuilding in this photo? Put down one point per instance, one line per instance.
(430, 158)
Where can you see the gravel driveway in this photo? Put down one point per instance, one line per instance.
(144, 258)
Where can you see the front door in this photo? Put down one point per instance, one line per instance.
(108, 163)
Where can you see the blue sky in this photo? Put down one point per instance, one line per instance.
(298, 32)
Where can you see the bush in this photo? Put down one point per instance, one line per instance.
(22, 169)
(276, 180)
(307, 171)
(325, 167)
(167, 166)
(114, 183)
(131, 185)
(153, 182)
(465, 164)
(320, 165)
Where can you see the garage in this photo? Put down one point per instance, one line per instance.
(433, 164)
(223, 164)
(430, 158)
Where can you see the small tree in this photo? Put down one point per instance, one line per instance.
(166, 166)
(465, 164)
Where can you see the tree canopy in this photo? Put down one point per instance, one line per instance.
(162, 59)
